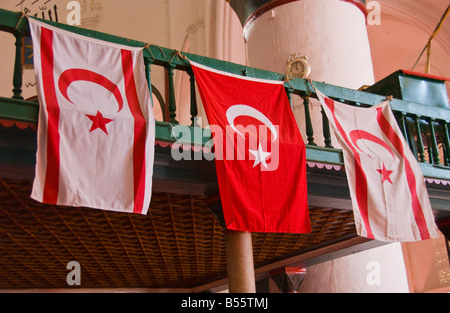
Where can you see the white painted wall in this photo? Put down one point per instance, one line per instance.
(378, 270)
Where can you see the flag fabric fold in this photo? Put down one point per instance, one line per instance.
(96, 127)
(259, 153)
(389, 197)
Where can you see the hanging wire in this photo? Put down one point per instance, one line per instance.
(428, 45)
(22, 15)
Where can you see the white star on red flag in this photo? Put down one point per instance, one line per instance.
(260, 156)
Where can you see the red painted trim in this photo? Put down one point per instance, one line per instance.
(139, 169)
(359, 5)
(435, 77)
(276, 3)
(21, 125)
(51, 186)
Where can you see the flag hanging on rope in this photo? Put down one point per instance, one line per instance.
(96, 127)
(260, 155)
(389, 196)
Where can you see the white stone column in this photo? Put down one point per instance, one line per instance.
(332, 34)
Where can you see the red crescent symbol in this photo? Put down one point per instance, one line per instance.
(75, 74)
(357, 134)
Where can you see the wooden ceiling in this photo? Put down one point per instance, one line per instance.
(178, 244)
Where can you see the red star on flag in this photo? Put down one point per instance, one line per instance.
(98, 121)
(386, 174)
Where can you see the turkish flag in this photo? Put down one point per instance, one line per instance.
(389, 196)
(259, 153)
(96, 127)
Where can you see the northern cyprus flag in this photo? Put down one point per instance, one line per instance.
(390, 199)
(96, 127)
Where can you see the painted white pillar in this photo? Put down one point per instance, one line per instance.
(332, 34)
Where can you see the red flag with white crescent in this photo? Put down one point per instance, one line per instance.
(389, 196)
(96, 126)
(260, 155)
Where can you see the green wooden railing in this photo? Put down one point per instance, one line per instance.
(426, 128)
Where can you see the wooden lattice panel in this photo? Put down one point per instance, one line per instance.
(178, 244)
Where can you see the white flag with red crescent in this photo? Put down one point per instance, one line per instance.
(96, 127)
(389, 196)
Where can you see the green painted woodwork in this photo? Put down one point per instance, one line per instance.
(18, 110)
(17, 77)
(431, 122)
(426, 89)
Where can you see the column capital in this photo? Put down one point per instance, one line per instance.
(255, 8)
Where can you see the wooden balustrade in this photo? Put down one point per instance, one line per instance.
(425, 128)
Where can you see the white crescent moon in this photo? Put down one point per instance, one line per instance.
(244, 110)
